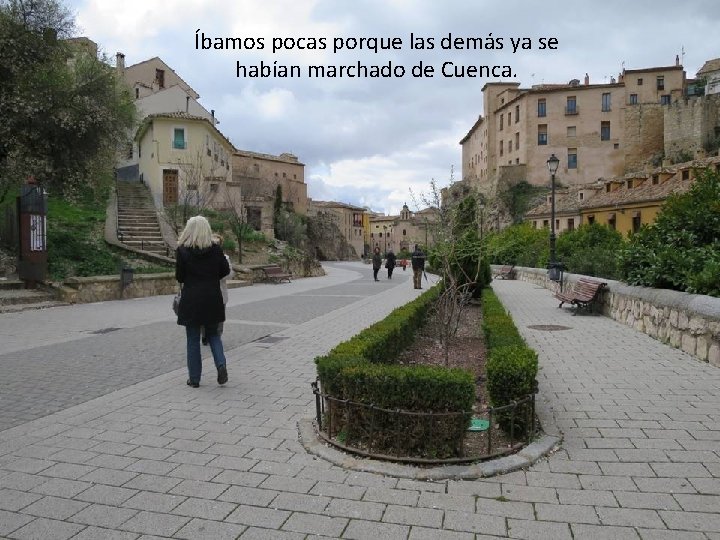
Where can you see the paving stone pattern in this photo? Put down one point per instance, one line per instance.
(640, 457)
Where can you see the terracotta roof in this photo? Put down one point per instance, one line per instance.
(710, 65)
(334, 204)
(567, 201)
(658, 68)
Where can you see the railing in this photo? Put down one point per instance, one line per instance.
(353, 427)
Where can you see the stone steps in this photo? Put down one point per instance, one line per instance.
(138, 225)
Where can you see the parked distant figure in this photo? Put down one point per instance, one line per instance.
(199, 267)
(390, 263)
(218, 240)
(418, 266)
(376, 262)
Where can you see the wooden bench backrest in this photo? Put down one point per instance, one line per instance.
(587, 289)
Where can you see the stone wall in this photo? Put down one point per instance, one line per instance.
(690, 124)
(83, 290)
(644, 127)
(690, 322)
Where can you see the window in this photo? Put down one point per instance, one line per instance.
(129, 150)
(665, 99)
(571, 224)
(581, 195)
(284, 175)
(137, 93)
(501, 122)
(179, 138)
(404, 232)
(517, 141)
(510, 146)
(604, 131)
(572, 158)
(517, 113)
(606, 102)
(380, 235)
(630, 183)
(612, 222)
(545, 224)
(541, 107)
(160, 77)
(636, 222)
(571, 105)
(686, 174)
(502, 146)
(509, 117)
(591, 220)
(213, 188)
(542, 134)
(633, 99)
(571, 131)
(640, 82)
(660, 82)
(655, 180)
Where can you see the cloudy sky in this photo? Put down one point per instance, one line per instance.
(371, 141)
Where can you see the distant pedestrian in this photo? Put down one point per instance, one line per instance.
(199, 267)
(390, 263)
(418, 266)
(376, 263)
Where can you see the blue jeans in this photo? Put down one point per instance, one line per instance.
(194, 358)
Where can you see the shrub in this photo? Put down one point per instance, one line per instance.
(591, 249)
(511, 374)
(680, 250)
(519, 245)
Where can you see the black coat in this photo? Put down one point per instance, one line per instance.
(200, 271)
(390, 260)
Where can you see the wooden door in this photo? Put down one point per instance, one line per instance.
(170, 186)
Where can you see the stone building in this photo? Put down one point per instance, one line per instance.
(259, 176)
(597, 130)
(710, 72)
(402, 231)
(349, 220)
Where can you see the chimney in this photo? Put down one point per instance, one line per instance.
(120, 63)
(587, 79)
(677, 60)
(187, 103)
(212, 115)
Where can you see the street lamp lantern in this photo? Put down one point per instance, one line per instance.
(554, 267)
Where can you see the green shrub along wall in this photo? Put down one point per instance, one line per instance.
(511, 366)
(361, 370)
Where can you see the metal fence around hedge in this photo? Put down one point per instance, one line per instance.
(420, 437)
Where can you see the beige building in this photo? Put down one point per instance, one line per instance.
(597, 130)
(185, 159)
(401, 232)
(348, 218)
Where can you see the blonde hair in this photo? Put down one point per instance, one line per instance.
(217, 239)
(197, 233)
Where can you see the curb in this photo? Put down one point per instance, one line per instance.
(539, 448)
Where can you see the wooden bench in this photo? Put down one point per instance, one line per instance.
(583, 295)
(506, 272)
(275, 273)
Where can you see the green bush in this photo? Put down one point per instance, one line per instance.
(520, 245)
(511, 367)
(681, 250)
(591, 249)
(361, 370)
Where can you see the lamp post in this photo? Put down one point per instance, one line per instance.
(385, 236)
(554, 269)
(482, 219)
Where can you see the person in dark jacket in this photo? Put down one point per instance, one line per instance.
(418, 266)
(376, 262)
(199, 266)
(390, 260)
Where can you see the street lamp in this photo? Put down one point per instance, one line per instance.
(385, 236)
(554, 268)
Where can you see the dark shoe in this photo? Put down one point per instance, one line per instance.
(222, 375)
(204, 340)
(193, 384)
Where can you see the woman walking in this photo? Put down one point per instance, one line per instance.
(376, 263)
(199, 266)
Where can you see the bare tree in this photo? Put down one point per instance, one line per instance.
(448, 256)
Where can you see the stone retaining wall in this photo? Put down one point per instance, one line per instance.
(690, 322)
(102, 288)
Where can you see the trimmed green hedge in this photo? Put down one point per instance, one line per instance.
(360, 370)
(511, 367)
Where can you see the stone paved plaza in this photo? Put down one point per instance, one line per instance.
(144, 456)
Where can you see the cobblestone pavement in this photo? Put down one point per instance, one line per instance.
(640, 458)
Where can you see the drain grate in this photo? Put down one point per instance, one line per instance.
(549, 327)
(105, 330)
(271, 339)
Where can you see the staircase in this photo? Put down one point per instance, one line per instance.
(15, 297)
(137, 225)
